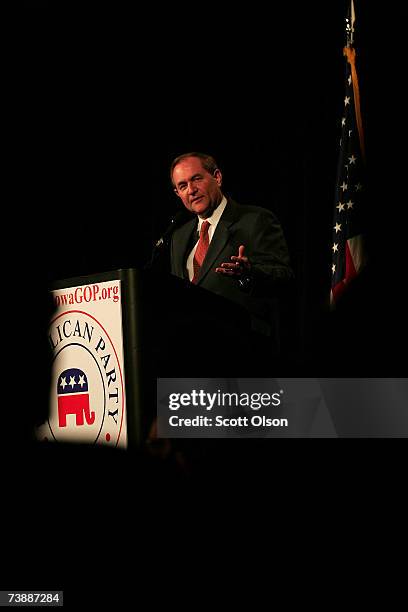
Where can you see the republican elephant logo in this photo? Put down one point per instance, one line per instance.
(73, 397)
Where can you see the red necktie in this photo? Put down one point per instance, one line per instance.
(201, 250)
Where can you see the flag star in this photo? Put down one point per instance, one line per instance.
(349, 80)
(335, 247)
(343, 121)
(81, 381)
(340, 206)
(346, 100)
(350, 204)
(350, 133)
(352, 159)
(343, 186)
(72, 381)
(333, 268)
(359, 187)
(337, 227)
(63, 382)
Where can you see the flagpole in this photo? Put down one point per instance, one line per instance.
(353, 18)
(350, 53)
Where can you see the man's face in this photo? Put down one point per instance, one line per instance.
(199, 190)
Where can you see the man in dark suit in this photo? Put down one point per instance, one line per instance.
(235, 251)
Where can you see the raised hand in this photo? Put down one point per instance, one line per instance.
(240, 264)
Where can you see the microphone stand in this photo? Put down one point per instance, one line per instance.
(159, 245)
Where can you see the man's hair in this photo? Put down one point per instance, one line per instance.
(207, 161)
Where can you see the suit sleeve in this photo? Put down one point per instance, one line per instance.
(268, 254)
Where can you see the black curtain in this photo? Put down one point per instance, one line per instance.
(103, 100)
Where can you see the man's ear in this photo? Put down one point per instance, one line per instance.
(218, 177)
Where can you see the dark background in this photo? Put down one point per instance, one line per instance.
(101, 100)
(104, 99)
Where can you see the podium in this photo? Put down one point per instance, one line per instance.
(113, 334)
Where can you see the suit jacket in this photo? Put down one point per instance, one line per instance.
(265, 246)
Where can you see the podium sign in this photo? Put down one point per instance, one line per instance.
(88, 391)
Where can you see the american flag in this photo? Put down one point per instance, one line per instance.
(348, 220)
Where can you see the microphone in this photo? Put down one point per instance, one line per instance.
(176, 219)
(174, 222)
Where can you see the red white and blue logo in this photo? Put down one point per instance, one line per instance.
(87, 403)
(73, 398)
